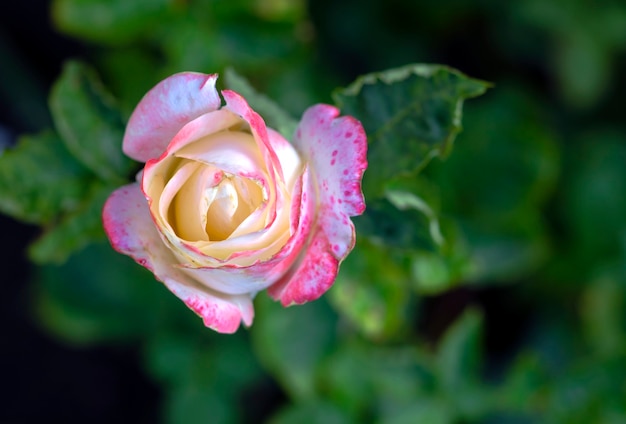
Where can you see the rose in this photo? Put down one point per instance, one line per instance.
(226, 207)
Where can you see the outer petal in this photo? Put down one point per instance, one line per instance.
(165, 109)
(336, 150)
(314, 275)
(131, 231)
(129, 228)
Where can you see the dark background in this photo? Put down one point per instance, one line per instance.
(43, 379)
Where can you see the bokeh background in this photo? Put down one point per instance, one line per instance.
(521, 319)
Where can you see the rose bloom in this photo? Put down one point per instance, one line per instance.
(226, 207)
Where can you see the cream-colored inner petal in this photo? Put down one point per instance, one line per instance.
(224, 213)
(232, 151)
(193, 200)
(171, 189)
(210, 204)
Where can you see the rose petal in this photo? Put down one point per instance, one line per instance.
(336, 150)
(204, 125)
(331, 241)
(217, 313)
(129, 226)
(232, 151)
(131, 231)
(165, 109)
(312, 277)
(288, 158)
(163, 203)
(238, 105)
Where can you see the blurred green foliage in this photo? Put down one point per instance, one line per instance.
(529, 203)
(410, 114)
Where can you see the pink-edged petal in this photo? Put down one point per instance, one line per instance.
(332, 239)
(288, 157)
(129, 226)
(130, 229)
(200, 127)
(238, 105)
(165, 109)
(223, 316)
(232, 151)
(336, 150)
(305, 216)
(314, 274)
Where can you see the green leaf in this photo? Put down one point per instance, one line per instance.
(39, 179)
(583, 69)
(170, 355)
(603, 317)
(404, 200)
(200, 404)
(274, 116)
(594, 206)
(423, 411)
(406, 220)
(410, 114)
(501, 254)
(373, 290)
(89, 123)
(502, 173)
(584, 389)
(108, 21)
(99, 295)
(582, 45)
(75, 231)
(590, 391)
(205, 374)
(457, 365)
(385, 224)
(316, 412)
(373, 381)
(189, 356)
(280, 10)
(525, 384)
(508, 158)
(459, 354)
(130, 73)
(431, 272)
(292, 342)
(437, 271)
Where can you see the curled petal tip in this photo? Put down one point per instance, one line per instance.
(222, 317)
(128, 225)
(337, 149)
(165, 109)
